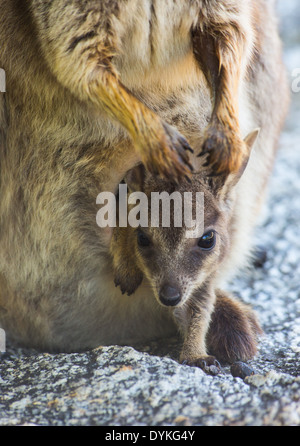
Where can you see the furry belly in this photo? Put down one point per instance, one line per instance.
(154, 43)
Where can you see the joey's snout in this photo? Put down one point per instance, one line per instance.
(169, 295)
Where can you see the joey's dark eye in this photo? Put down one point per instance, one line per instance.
(142, 239)
(207, 241)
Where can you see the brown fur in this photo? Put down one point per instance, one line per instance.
(94, 88)
(222, 47)
(233, 331)
(206, 317)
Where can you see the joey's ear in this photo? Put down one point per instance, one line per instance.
(249, 141)
(127, 275)
(221, 185)
(135, 178)
(251, 138)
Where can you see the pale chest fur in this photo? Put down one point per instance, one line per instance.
(154, 43)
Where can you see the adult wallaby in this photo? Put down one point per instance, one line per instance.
(94, 88)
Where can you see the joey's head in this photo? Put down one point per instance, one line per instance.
(173, 258)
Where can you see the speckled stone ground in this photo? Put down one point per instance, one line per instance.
(117, 386)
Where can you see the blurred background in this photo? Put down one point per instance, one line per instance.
(289, 16)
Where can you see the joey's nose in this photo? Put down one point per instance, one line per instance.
(169, 296)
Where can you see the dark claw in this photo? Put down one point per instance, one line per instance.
(178, 166)
(184, 142)
(203, 153)
(209, 365)
(217, 364)
(186, 145)
(190, 166)
(213, 369)
(202, 364)
(187, 163)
